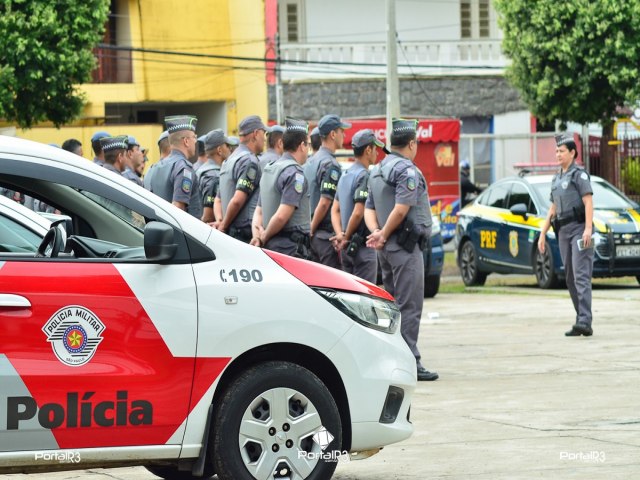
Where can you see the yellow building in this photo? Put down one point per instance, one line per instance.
(167, 58)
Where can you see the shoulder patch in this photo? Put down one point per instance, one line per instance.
(584, 176)
(334, 174)
(186, 183)
(411, 172)
(187, 173)
(299, 183)
(252, 171)
(411, 183)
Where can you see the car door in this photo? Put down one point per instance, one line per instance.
(96, 348)
(519, 232)
(489, 225)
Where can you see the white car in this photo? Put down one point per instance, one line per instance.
(138, 335)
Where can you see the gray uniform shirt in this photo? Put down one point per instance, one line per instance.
(241, 171)
(323, 173)
(567, 190)
(131, 175)
(353, 187)
(269, 156)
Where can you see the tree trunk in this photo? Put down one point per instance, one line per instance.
(608, 155)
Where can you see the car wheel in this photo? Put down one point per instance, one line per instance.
(275, 421)
(431, 285)
(468, 263)
(544, 269)
(171, 472)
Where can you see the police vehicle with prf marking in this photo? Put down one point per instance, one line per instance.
(132, 333)
(499, 231)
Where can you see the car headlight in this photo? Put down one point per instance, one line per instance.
(435, 226)
(372, 312)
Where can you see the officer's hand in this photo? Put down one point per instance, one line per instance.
(541, 244)
(376, 240)
(255, 241)
(586, 237)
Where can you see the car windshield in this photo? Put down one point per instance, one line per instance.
(605, 197)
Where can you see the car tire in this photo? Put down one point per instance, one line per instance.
(544, 269)
(171, 472)
(468, 264)
(431, 285)
(266, 416)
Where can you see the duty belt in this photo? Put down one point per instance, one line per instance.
(243, 233)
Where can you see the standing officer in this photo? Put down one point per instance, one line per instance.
(97, 148)
(202, 155)
(281, 220)
(133, 160)
(399, 216)
(316, 141)
(165, 149)
(323, 173)
(347, 213)
(572, 214)
(240, 179)
(217, 149)
(274, 146)
(114, 151)
(174, 178)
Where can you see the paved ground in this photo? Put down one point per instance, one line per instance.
(516, 399)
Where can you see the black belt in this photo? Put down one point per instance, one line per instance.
(565, 221)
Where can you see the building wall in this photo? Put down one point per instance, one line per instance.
(216, 27)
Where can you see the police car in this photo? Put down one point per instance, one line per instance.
(134, 334)
(499, 232)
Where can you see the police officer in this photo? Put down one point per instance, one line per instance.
(323, 172)
(202, 155)
(98, 159)
(114, 150)
(133, 160)
(398, 214)
(347, 213)
(234, 142)
(274, 145)
(281, 220)
(165, 149)
(571, 213)
(316, 141)
(174, 178)
(240, 180)
(217, 149)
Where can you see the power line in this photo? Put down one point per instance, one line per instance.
(282, 61)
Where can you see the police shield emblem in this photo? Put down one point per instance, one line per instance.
(513, 243)
(74, 333)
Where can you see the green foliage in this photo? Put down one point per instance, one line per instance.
(45, 52)
(630, 175)
(573, 61)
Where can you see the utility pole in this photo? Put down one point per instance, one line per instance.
(279, 106)
(393, 85)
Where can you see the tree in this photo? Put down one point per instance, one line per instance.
(45, 53)
(573, 61)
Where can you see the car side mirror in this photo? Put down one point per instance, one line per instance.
(519, 209)
(158, 242)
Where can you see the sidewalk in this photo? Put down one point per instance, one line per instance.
(517, 399)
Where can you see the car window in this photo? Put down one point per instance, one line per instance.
(15, 237)
(498, 195)
(520, 194)
(605, 196)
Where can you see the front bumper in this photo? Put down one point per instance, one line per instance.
(370, 362)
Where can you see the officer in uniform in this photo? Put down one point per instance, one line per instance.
(398, 213)
(234, 142)
(202, 155)
(114, 152)
(571, 214)
(316, 141)
(274, 145)
(133, 160)
(174, 178)
(281, 220)
(347, 213)
(217, 149)
(240, 180)
(164, 149)
(97, 148)
(323, 172)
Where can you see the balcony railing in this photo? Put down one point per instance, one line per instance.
(113, 66)
(469, 57)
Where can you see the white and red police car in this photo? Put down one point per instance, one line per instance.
(134, 334)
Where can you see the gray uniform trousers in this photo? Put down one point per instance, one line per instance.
(284, 245)
(578, 267)
(324, 250)
(403, 277)
(364, 264)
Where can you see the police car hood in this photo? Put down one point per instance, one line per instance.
(619, 220)
(317, 275)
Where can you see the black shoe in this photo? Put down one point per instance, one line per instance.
(579, 329)
(425, 375)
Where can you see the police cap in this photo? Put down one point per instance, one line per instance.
(250, 124)
(214, 139)
(114, 143)
(176, 123)
(329, 123)
(364, 138)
